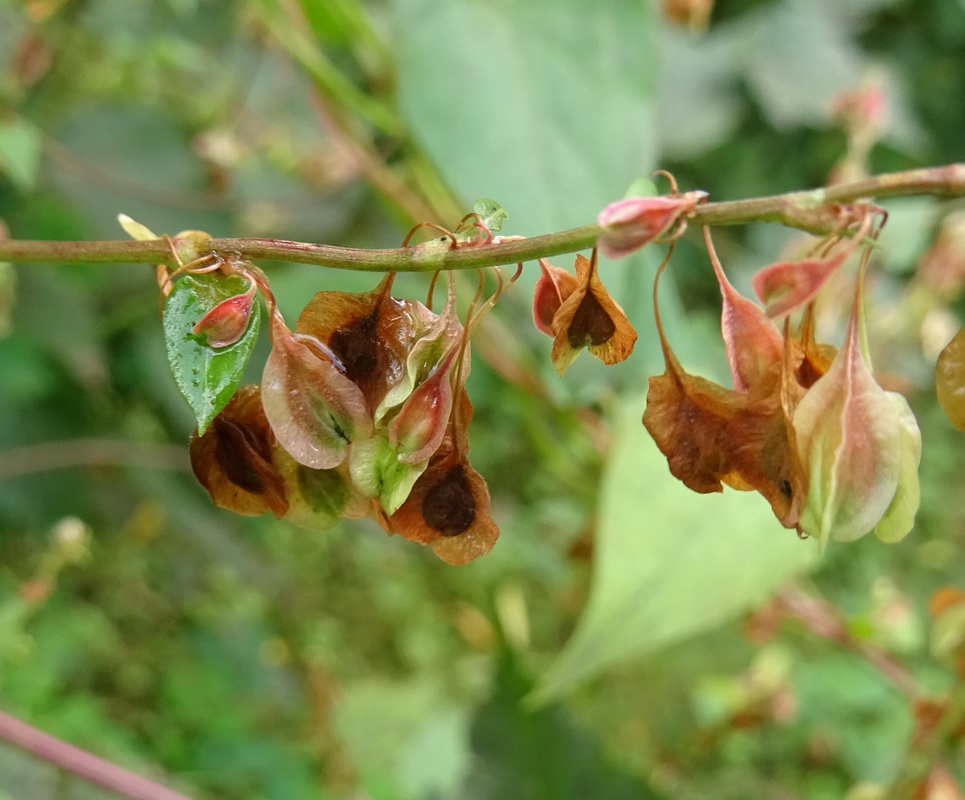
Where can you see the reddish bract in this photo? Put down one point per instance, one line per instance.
(629, 224)
(590, 318)
(552, 287)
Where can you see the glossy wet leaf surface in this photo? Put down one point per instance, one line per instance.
(207, 377)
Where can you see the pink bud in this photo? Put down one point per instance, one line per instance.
(227, 322)
(629, 224)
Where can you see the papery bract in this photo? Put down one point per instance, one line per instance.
(553, 286)
(849, 436)
(233, 459)
(448, 507)
(378, 472)
(788, 285)
(418, 429)
(314, 409)
(629, 224)
(245, 470)
(227, 322)
(369, 335)
(754, 345)
(590, 318)
(899, 519)
(432, 339)
(712, 435)
(318, 498)
(950, 380)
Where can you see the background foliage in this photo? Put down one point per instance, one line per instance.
(242, 658)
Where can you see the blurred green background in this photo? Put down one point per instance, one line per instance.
(619, 641)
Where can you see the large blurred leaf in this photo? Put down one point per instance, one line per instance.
(699, 101)
(669, 563)
(407, 739)
(796, 55)
(19, 152)
(544, 104)
(537, 754)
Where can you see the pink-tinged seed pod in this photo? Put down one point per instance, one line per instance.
(860, 447)
(314, 410)
(552, 289)
(629, 224)
(418, 430)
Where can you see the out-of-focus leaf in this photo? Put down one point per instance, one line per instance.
(797, 57)
(8, 293)
(392, 732)
(870, 720)
(508, 739)
(950, 380)
(669, 563)
(206, 377)
(558, 94)
(57, 310)
(699, 105)
(19, 152)
(910, 228)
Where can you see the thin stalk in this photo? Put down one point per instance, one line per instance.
(816, 211)
(81, 763)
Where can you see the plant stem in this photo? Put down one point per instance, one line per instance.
(824, 620)
(816, 211)
(925, 751)
(81, 763)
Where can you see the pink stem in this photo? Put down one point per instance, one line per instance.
(81, 763)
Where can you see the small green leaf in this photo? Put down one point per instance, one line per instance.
(642, 187)
(491, 212)
(135, 229)
(206, 377)
(20, 147)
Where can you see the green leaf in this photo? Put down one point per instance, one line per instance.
(491, 212)
(206, 377)
(405, 737)
(20, 147)
(509, 739)
(558, 112)
(670, 563)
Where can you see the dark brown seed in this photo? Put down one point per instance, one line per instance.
(357, 347)
(239, 452)
(591, 325)
(449, 507)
